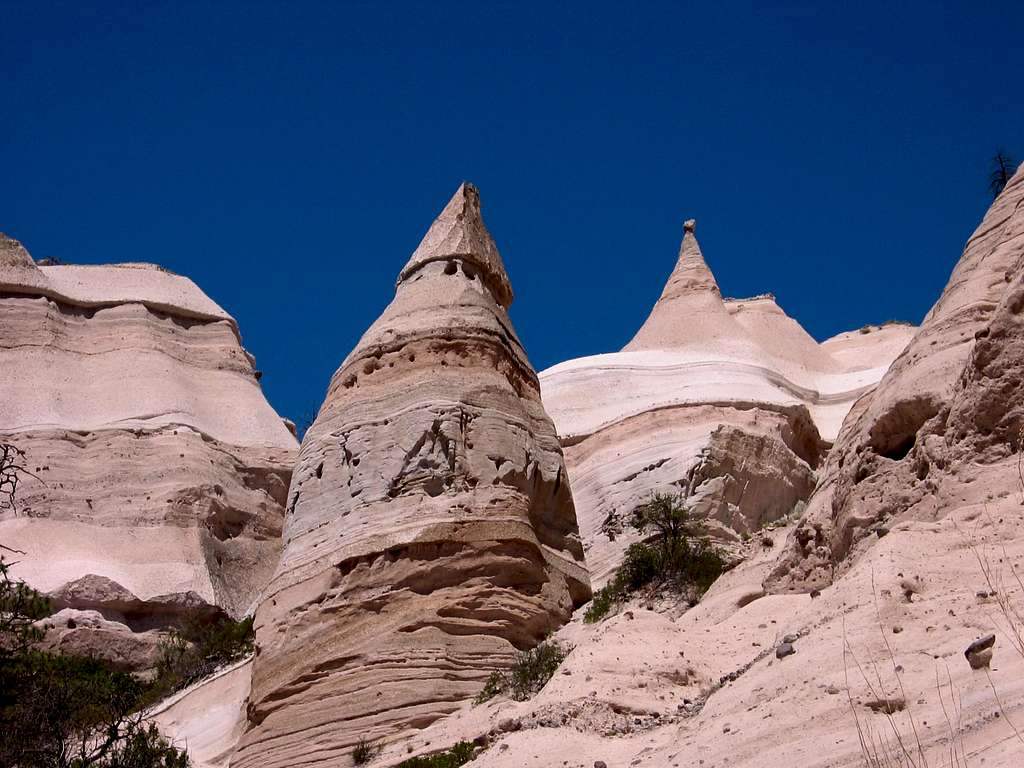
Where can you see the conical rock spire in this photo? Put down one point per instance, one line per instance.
(431, 531)
(459, 232)
(691, 274)
(690, 307)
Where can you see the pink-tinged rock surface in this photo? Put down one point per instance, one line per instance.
(943, 428)
(657, 686)
(158, 463)
(649, 419)
(208, 717)
(431, 530)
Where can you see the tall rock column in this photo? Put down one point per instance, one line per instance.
(431, 530)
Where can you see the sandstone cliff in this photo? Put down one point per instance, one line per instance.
(729, 402)
(430, 530)
(161, 470)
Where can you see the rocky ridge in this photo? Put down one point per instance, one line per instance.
(160, 470)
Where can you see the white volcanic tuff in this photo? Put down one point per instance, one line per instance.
(642, 420)
(929, 460)
(432, 530)
(92, 286)
(129, 366)
(944, 423)
(163, 467)
(744, 466)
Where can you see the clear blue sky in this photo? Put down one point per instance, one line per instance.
(289, 156)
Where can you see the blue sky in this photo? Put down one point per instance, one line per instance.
(288, 157)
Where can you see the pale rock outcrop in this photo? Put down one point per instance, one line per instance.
(729, 402)
(208, 717)
(431, 530)
(159, 466)
(88, 633)
(115, 603)
(943, 427)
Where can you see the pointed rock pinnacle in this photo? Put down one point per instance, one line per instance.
(459, 233)
(691, 273)
(13, 253)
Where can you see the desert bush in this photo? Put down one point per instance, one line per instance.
(456, 756)
(529, 673)
(677, 558)
(364, 752)
(20, 606)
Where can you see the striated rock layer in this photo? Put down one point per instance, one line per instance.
(729, 402)
(943, 429)
(431, 530)
(161, 470)
(914, 541)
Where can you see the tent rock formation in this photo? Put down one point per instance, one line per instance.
(729, 402)
(431, 530)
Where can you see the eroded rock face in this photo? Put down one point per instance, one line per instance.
(728, 402)
(431, 530)
(88, 633)
(160, 466)
(943, 428)
(115, 603)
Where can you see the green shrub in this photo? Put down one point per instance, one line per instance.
(529, 673)
(364, 752)
(602, 602)
(69, 712)
(458, 755)
(676, 558)
(197, 650)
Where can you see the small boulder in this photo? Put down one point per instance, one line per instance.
(979, 653)
(784, 650)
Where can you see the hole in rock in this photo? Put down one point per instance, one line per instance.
(894, 434)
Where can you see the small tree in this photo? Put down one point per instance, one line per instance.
(677, 556)
(1003, 168)
(682, 554)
